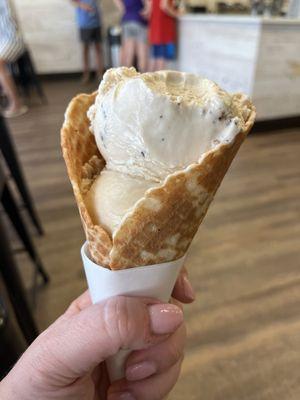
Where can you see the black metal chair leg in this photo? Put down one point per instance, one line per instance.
(15, 289)
(13, 212)
(34, 77)
(11, 158)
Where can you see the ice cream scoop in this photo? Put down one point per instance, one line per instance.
(147, 126)
(113, 194)
(152, 124)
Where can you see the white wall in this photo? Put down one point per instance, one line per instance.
(51, 33)
(221, 48)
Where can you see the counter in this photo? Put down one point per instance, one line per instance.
(258, 56)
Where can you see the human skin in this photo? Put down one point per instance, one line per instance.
(66, 360)
(9, 87)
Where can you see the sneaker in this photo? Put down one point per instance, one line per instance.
(15, 113)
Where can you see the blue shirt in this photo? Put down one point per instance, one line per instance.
(88, 19)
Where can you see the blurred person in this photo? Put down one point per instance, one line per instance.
(89, 23)
(11, 48)
(67, 360)
(162, 35)
(134, 33)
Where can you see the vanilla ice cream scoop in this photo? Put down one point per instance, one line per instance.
(112, 195)
(147, 126)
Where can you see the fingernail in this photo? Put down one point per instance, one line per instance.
(120, 396)
(164, 318)
(188, 288)
(140, 371)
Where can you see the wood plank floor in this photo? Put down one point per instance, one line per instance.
(244, 328)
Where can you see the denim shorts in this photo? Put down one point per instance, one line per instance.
(166, 51)
(134, 30)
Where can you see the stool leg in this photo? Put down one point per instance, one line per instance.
(11, 158)
(13, 212)
(35, 80)
(15, 289)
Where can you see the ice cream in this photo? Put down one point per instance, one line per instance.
(147, 126)
(153, 124)
(164, 143)
(113, 194)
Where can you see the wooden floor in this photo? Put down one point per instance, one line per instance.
(244, 328)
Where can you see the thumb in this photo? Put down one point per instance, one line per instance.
(78, 343)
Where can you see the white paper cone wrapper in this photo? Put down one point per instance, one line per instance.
(156, 281)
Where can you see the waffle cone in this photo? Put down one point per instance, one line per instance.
(162, 224)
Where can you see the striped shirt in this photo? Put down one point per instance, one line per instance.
(11, 41)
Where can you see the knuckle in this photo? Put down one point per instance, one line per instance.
(120, 320)
(73, 307)
(110, 319)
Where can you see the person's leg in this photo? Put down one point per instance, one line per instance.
(142, 56)
(151, 64)
(84, 35)
(9, 88)
(142, 48)
(99, 59)
(128, 45)
(169, 53)
(160, 64)
(127, 53)
(86, 62)
(153, 57)
(158, 60)
(97, 38)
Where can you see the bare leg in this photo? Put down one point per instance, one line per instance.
(86, 62)
(142, 56)
(128, 51)
(157, 64)
(9, 88)
(151, 64)
(99, 59)
(160, 64)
